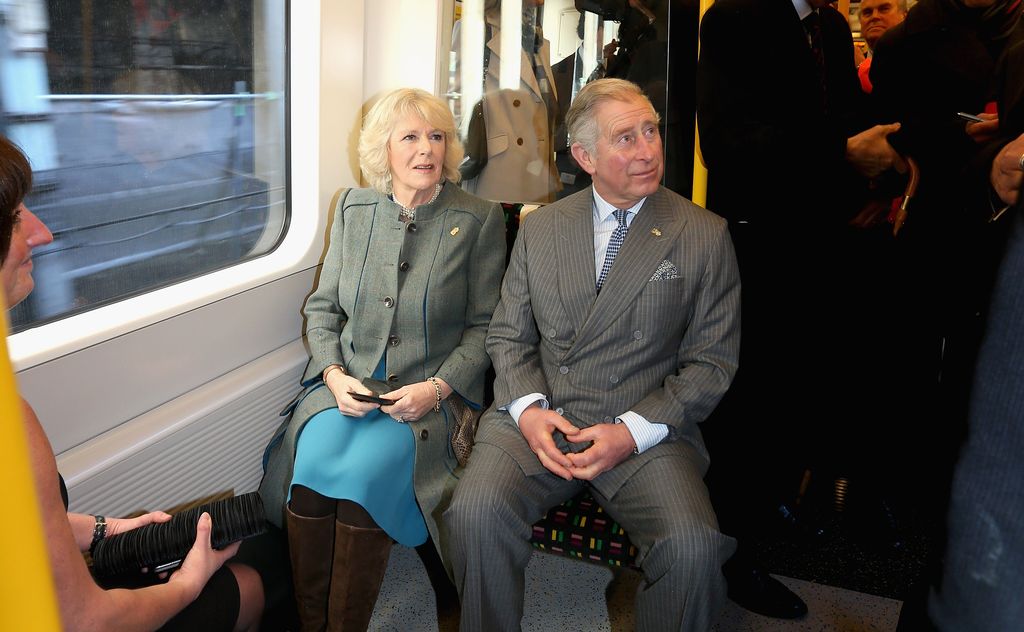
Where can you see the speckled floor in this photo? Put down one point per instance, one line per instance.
(562, 592)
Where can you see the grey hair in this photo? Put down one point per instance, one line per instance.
(581, 119)
(380, 121)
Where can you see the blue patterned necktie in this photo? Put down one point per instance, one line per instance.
(618, 236)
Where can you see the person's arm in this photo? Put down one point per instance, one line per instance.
(325, 319)
(83, 604)
(870, 153)
(83, 526)
(469, 360)
(708, 353)
(512, 338)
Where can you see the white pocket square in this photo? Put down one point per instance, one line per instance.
(666, 270)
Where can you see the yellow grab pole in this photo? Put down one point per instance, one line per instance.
(27, 600)
(700, 170)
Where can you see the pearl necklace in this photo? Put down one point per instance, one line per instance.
(408, 214)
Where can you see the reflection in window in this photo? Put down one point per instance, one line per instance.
(502, 71)
(156, 132)
(518, 64)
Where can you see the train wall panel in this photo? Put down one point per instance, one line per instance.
(205, 443)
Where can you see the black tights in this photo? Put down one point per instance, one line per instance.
(310, 504)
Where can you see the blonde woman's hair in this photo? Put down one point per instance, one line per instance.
(381, 120)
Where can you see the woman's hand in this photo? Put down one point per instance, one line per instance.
(415, 400)
(120, 525)
(341, 384)
(202, 561)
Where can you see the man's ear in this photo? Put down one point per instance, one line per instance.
(582, 156)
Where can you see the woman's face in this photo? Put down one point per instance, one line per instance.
(16, 269)
(416, 157)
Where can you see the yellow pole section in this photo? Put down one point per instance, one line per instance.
(27, 600)
(700, 170)
(844, 8)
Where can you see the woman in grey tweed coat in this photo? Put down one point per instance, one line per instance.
(408, 286)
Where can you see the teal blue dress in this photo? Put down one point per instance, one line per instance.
(368, 460)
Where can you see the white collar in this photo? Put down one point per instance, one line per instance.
(802, 8)
(603, 208)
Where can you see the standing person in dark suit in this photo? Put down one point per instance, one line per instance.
(784, 155)
(603, 373)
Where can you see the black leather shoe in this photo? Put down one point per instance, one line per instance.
(753, 588)
(800, 526)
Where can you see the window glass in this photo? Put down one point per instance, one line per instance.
(516, 66)
(156, 132)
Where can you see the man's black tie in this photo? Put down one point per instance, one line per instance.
(812, 24)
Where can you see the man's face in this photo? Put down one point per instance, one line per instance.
(627, 163)
(877, 17)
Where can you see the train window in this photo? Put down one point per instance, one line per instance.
(156, 130)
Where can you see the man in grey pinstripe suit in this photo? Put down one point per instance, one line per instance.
(605, 387)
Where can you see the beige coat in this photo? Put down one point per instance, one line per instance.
(520, 145)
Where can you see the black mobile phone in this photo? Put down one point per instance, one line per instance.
(970, 117)
(373, 399)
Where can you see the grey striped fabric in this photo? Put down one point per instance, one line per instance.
(665, 348)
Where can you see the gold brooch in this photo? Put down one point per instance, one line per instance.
(656, 232)
(455, 231)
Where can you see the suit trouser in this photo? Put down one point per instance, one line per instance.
(664, 507)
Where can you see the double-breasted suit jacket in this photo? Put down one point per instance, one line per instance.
(420, 296)
(661, 338)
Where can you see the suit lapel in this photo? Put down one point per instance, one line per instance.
(576, 273)
(650, 238)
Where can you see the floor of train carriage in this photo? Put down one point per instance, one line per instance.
(850, 584)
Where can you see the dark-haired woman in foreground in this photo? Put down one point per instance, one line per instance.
(203, 594)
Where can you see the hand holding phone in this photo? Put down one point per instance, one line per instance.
(970, 117)
(372, 399)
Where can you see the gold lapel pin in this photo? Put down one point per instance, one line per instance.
(656, 232)
(455, 231)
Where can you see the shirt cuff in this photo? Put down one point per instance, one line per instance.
(518, 405)
(646, 435)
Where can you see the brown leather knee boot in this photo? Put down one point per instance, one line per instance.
(360, 559)
(311, 548)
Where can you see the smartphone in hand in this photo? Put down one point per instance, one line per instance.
(970, 117)
(372, 399)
